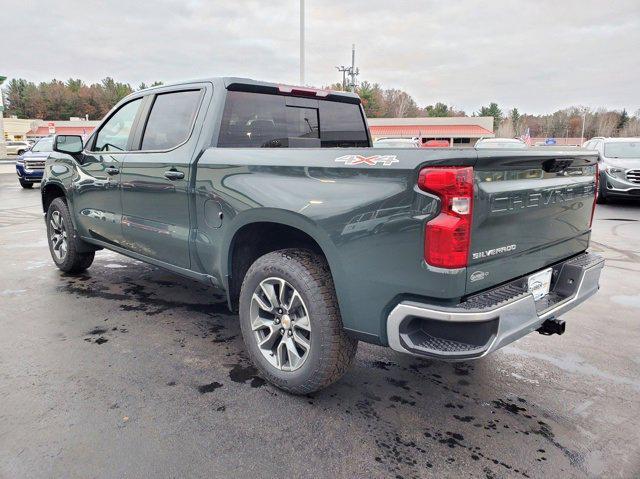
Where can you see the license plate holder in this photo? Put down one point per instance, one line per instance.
(539, 283)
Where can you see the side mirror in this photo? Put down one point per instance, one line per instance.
(68, 144)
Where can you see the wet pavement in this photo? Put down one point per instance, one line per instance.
(132, 371)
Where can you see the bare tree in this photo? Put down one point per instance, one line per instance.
(399, 104)
(632, 128)
(607, 123)
(506, 129)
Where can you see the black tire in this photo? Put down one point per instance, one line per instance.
(26, 184)
(73, 261)
(331, 350)
(601, 197)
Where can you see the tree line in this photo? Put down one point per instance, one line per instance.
(60, 100)
(568, 122)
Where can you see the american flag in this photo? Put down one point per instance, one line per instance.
(526, 137)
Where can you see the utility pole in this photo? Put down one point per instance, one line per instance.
(351, 71)
(344, 71)
(301, 42)
(354, 72)
(584, 117)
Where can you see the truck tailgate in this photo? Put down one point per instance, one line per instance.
(531, 209)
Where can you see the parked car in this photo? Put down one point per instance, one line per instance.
(396, 143)
(619, 162)
(17, 147)
(507, 143)
(184, 177)
(30, 165)
(436, 144)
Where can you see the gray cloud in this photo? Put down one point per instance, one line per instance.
(538, 56)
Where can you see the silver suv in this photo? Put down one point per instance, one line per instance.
(619, 162)
(17, 147)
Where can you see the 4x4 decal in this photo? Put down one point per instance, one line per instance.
(351, 160)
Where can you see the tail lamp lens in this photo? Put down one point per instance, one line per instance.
(448, 235)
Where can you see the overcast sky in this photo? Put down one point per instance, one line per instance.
(538, 56)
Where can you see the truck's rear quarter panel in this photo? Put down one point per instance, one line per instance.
(369, 220)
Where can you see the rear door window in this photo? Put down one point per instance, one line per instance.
(171, 120)
(257, 120)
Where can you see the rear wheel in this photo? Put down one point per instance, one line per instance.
(62, 239)
(291, 323)
(26, 184)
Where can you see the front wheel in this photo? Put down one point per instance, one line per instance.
(291, 322)
(601, 193)
(62, 239)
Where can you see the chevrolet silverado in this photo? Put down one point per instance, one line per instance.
(274, 194)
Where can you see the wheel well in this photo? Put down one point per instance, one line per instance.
(257, 239)
(50, 193)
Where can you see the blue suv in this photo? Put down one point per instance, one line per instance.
(30, 165)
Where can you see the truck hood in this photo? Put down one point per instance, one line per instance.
(624, 163)
(39, 155)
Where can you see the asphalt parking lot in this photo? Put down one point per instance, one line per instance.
(131, 371)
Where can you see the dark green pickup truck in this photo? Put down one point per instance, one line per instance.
(274, 194)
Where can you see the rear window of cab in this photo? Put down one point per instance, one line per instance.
(259, 120)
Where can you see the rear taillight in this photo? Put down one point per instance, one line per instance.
(448, 235)
(595, 199)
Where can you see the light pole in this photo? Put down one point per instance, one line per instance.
(3, 148)
(301, 42)
(584, 117)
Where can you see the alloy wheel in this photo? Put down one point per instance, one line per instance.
(58, 236)
(280, 323)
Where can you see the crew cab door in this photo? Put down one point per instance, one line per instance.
(156, 176)
(97, 202)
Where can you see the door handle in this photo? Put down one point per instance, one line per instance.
(174, 175)
(112, 170)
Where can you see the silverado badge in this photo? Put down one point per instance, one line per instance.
(351, 160)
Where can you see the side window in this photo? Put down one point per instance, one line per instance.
(342, 125)
(114, 134)
(170, 120)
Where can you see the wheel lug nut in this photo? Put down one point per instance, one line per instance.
(281, 330)
(290, 333)
(279, 310)
(277, 320)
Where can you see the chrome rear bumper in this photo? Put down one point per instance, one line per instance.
(492, 319)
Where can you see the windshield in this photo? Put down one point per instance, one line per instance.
(43, 145)
(630, 149)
